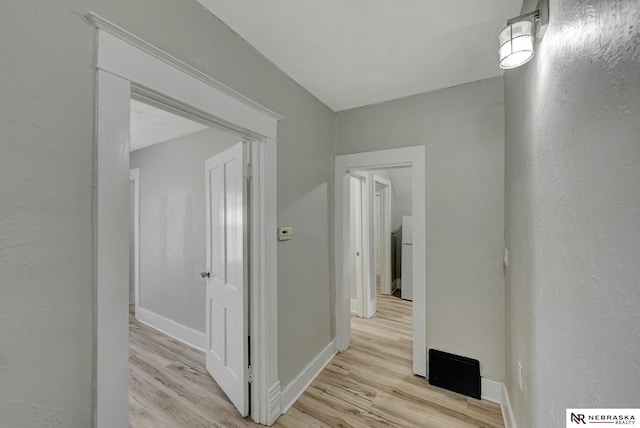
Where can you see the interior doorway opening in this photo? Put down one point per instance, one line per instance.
(127, 65)
(363, 165)
(380, 254)
(380, 246)
(187, 172)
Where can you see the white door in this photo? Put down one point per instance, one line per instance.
(356, 258)
(226, 276)
(377, 221)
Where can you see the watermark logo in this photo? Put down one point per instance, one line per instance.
(577, 418)
(602, 417)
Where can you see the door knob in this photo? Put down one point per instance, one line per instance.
(205, 274)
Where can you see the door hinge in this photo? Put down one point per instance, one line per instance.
(249, 171)
(250, 374)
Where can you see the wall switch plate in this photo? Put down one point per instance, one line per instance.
(285, 233)
(520, 379)
(506, 257)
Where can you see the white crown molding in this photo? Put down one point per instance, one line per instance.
(111, 28)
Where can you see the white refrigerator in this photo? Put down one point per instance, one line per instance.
(407, 258)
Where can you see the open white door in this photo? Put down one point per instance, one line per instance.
(227, 291)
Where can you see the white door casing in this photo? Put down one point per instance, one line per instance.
(384, 212)
(377, 221)
(134, 177)
(227, 335)
(126, 64)
(413, 157)
(356, 248)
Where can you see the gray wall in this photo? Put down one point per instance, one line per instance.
(463, 130)
(573, 214)
(172, 224)
(46, 117)
(132, 246)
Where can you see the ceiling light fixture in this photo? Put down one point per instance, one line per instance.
(517, 40)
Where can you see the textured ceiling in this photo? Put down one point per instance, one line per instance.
(151, 125)
(350, 53)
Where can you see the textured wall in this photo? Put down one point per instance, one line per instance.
(463, 131)
(573, 214)
(46, 126)
(46, 122)
(172, 224)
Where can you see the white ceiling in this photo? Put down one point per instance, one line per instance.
(350, 53)
(151, 125)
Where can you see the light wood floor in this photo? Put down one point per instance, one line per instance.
(169, 386)
(370, 385)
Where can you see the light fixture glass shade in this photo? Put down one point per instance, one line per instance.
(516, 44)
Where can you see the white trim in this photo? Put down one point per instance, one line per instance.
(111, 252)
(409, 156)
(385, 277)
(187, 335)
(368, 262)
(354, 306)
(134, 175)
(275, 400)
(149, 70)
(371, 307)
(491, 390)
(124, 64)
(362, 287)
(98, 22)
(265, 389)
(507, 410)
(296, 388)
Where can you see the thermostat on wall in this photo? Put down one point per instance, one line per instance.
(285, 233)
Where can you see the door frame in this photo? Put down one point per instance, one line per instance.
(345, 164)
(362, 295)
(385, 233)
(134, 176)
(127, 65)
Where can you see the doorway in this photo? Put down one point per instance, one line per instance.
(189, 168)
(370, 252)
(358, 278)
(413, 157)
(127, 65)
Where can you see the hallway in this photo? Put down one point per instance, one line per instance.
(369, 385)
(372, 383)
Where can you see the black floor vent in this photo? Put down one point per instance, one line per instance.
(455, 373)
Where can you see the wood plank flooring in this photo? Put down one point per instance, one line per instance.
(370, 385)
(169, 386)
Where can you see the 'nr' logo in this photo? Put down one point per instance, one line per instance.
(577, 418)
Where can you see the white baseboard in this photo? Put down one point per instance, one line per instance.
(294, 390)
(372, 308)
(496, 392)
(275, 400)
(184, 334)
(491, 390)
(354, 305)
(507, 410)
